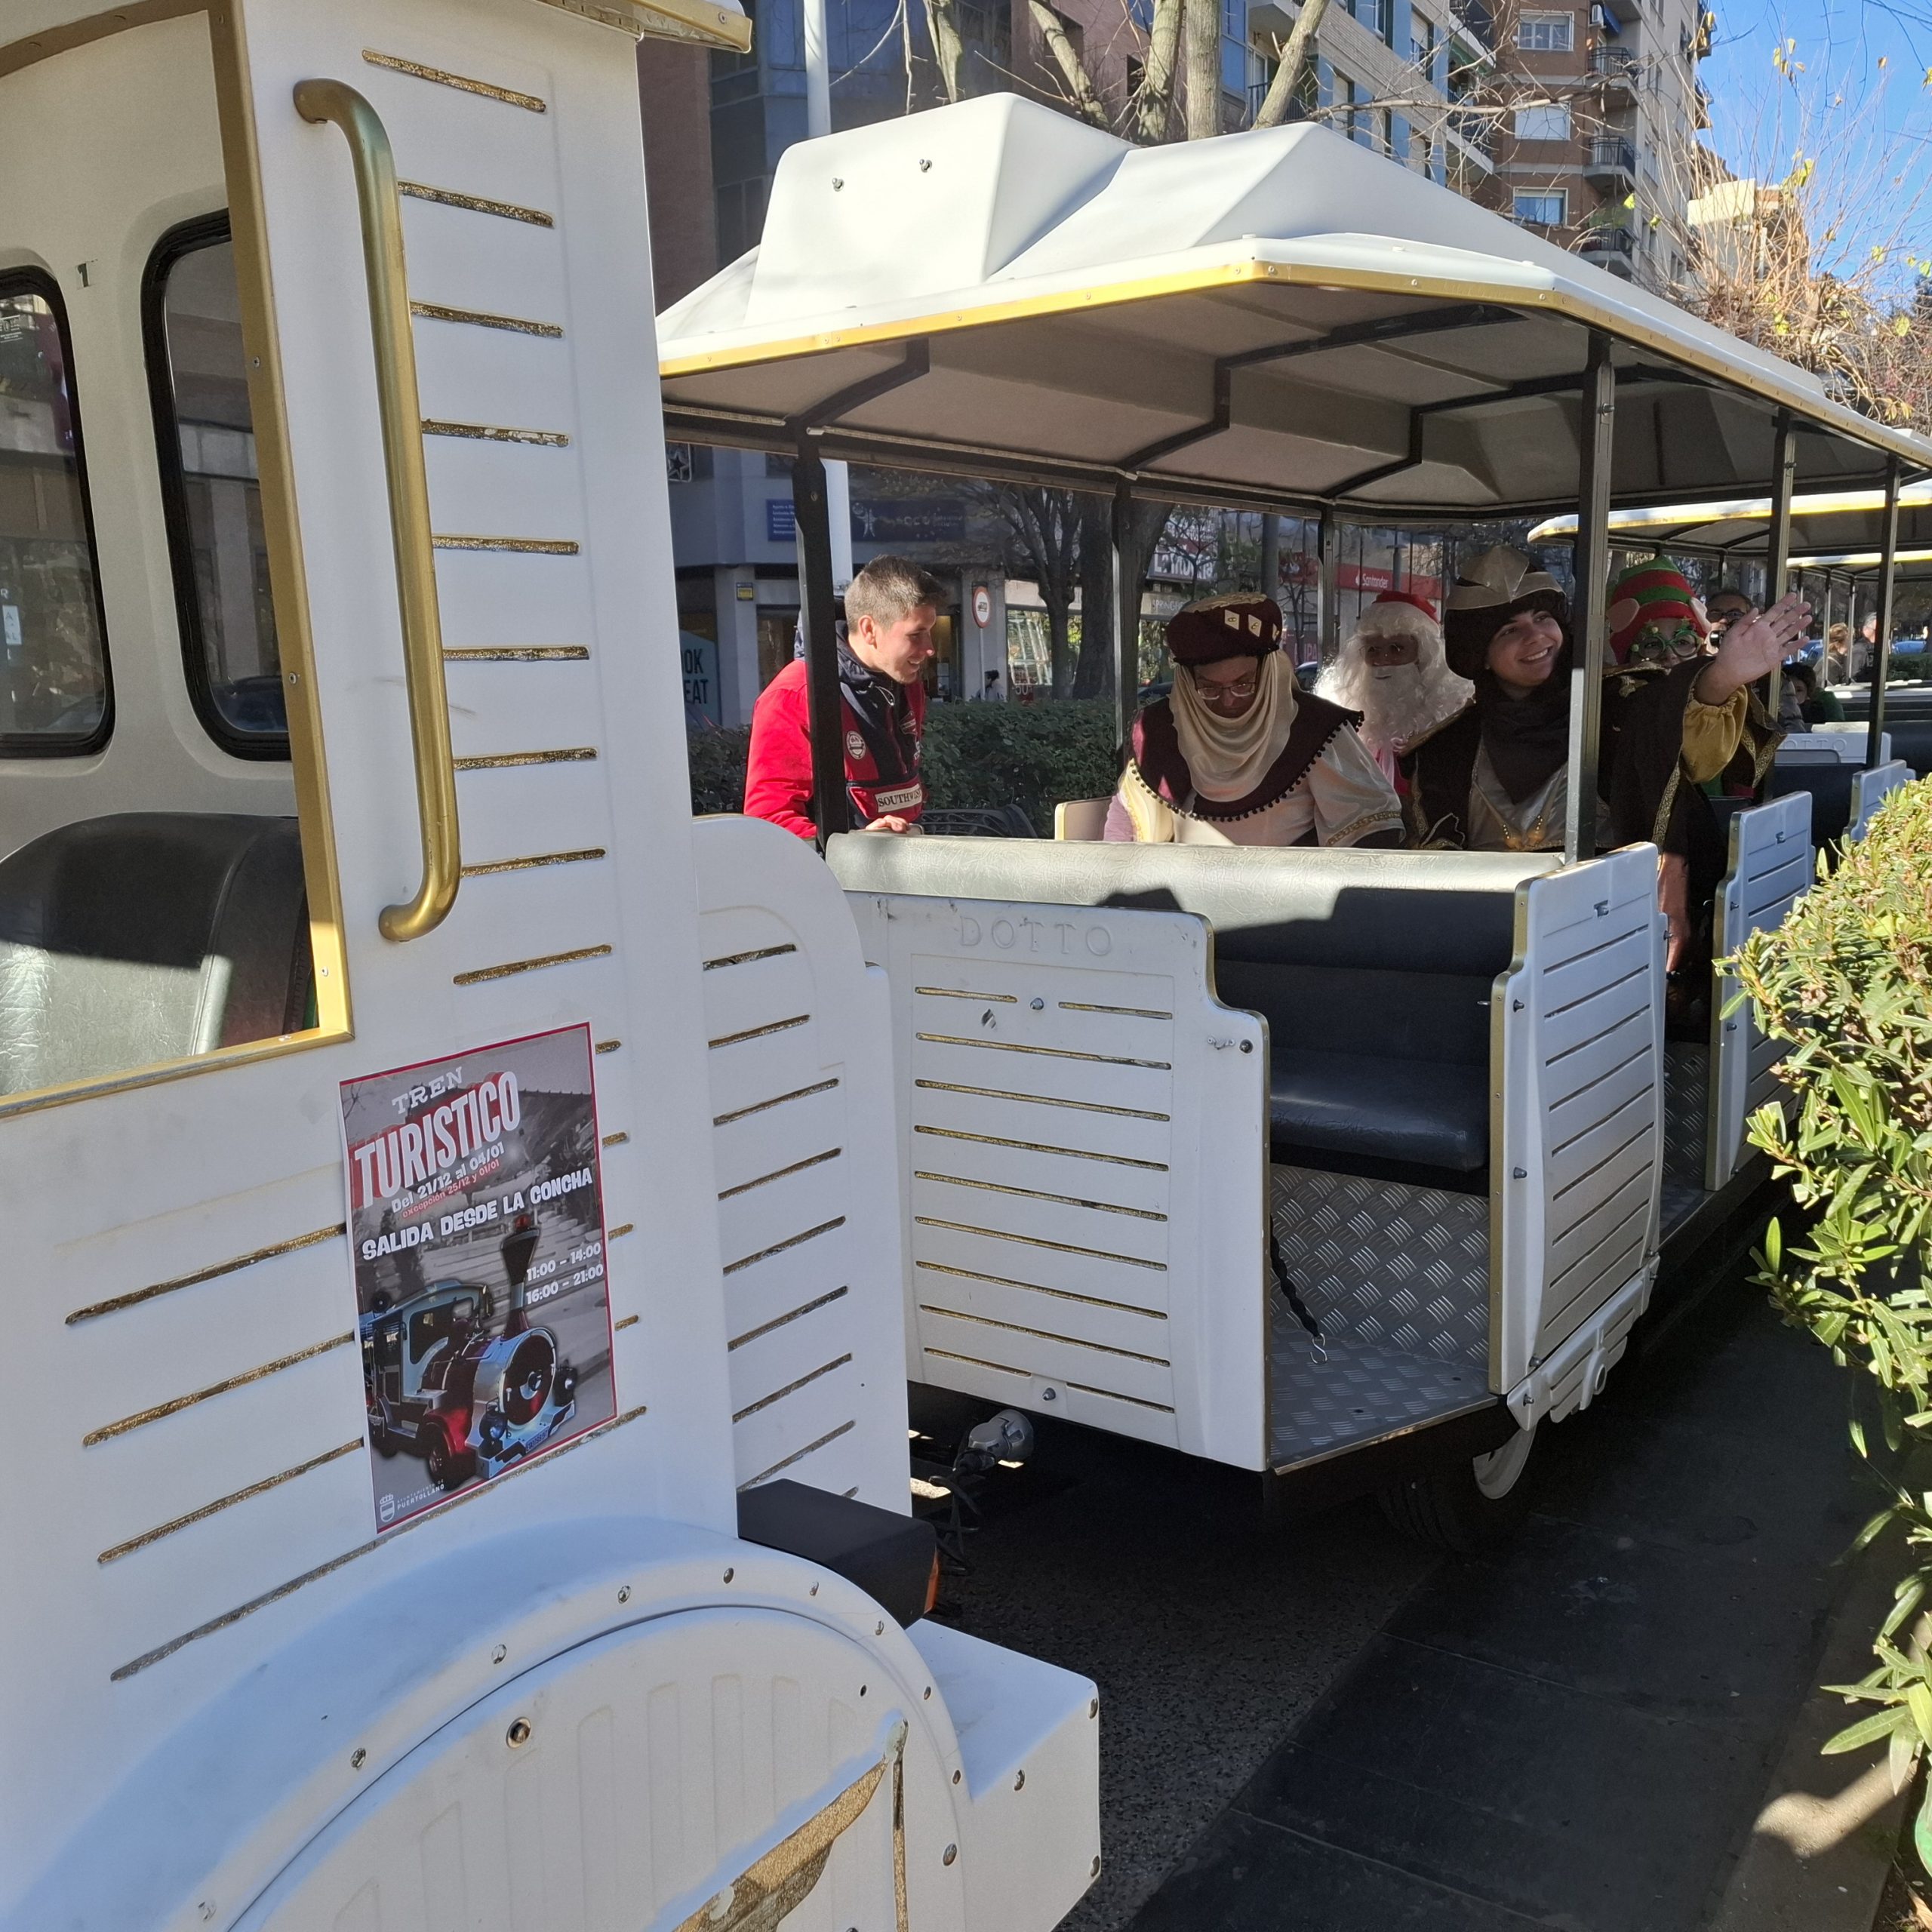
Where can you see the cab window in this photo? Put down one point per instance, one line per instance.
(205, 437)
(55, 697)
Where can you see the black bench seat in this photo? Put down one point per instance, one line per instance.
(1419, 1113)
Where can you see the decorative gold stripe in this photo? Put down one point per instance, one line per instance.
(791, 1388)
(221, 1502)
(759, 1032)
(799, 1455)
(746, 958)
(608, 1046)
(108, 1430)
(1042, 1147)
(1046, 1052)
(1036, 1240)
(448, 198)
(228, 1618)
(779, 1174)
(503, 761)
(1043, 1335)
(620, 1230)
(1115, 1396)
(615, 1140)
(1035, 1288)
(955, 992)
(313, 1239)
(629, 1322)
(519, 653)
(531, 864)
(481, 319)
(780, 1247)
(516, 966)
(523, 546)
(1126, 1012)
(1040, 1099)
(461, 82)
(1037, 1194)
(777, 1100)
(779, 1320)
(488, 432)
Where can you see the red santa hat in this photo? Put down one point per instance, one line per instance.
(1400, 614)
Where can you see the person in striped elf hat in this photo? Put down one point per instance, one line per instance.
(1655, 617)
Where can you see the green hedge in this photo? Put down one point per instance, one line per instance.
(1032, 755)
(1846, 983)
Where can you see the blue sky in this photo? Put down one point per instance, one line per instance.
(1840, 43)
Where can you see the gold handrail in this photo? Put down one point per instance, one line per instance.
(409, 499)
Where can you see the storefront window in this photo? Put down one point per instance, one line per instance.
(54, 694)
(206, 439)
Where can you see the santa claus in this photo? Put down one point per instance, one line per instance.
(1392, 671)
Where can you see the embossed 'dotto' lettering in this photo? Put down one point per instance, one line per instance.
(1060, 939)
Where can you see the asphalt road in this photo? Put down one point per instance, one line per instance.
(1319, 1727)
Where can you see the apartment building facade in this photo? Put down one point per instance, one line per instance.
(1595, 109)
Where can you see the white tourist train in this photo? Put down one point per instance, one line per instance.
(1144, 1089)
(382, 1554)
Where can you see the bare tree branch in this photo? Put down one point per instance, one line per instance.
(1202, 20)
(1053, 31)
(1296, 56)
(949, 46)
(1155, 107)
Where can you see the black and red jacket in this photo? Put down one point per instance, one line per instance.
(880, 722)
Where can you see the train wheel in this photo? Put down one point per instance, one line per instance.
(1466, 1507)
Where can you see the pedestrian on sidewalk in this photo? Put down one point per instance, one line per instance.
(885, 643)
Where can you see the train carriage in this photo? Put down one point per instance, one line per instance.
(1349, 1161)
(463, 1468)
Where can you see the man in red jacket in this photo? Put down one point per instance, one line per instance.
(884, 644)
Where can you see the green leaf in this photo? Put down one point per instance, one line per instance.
(1867, 1730)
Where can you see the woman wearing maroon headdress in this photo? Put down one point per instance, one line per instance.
(1238, 756)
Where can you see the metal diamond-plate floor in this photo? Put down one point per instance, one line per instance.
(1398, 1278)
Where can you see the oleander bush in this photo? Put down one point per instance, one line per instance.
(1846, 983)
(1032, 755)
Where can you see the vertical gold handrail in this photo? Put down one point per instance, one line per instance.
(409, 499)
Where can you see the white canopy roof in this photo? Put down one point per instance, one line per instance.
(1834, 528)
(1274, 316)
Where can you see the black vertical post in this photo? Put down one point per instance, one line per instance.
(1777, 555)
(1127, 615)
(818, 608)
(1882, 642)
(1591, 557)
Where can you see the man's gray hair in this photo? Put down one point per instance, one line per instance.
(890, 588)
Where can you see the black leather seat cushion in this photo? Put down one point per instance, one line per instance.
(147, 936)
(1421, 1113)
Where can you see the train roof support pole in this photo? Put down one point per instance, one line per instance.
(1592, 560)
(1127, 615)
(1777, 554)
(1328, 610)
(1882, 642)
(818, 610)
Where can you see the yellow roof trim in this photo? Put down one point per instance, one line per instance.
(1744, 509)
(699, 22)
(1575, 307)
(1859, 559)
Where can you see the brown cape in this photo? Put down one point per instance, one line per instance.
(1155, 754)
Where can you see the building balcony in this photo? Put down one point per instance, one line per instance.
(1612, 248)
(1610, 163)
(1614, 73)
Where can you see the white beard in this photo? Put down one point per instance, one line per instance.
(1399, 703)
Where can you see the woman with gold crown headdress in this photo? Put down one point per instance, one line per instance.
(1238, 756)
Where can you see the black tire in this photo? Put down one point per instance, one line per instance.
(1466, 1507)
(448, 1469)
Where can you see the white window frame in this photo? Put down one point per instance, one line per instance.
(1549, 122)
(1546, 33)
(1547, 195)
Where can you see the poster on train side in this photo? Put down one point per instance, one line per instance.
(476, 1235)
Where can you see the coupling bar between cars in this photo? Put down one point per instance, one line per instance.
(401, 414)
